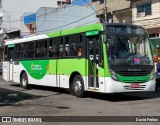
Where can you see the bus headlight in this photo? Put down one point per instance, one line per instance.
(113, 75)
(152, 76)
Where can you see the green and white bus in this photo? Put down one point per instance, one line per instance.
(105, 58)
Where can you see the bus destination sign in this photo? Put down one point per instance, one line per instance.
(123, 29)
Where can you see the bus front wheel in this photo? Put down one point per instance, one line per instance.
(24, 80)
(78, 86)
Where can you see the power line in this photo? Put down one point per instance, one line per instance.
(93, 10)
(70, 6)
(59, 9)
(56, 9)
(70, 23)
(86, 23)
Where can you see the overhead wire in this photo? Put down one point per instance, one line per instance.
(56, 9)
(63, 7)
(94, 10)
(70, 23)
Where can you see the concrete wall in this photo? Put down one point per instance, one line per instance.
(149, 21)
(123, 16)
(64, 18)
(24, 27)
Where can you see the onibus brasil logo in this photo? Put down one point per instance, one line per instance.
(36, 67)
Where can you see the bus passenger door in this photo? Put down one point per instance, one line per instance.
(93, 45)
(11, 63)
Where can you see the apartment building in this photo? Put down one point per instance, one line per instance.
(146, 13)
(118, 11)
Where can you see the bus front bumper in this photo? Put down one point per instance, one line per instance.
(112, 86)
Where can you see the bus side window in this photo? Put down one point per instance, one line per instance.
(60, 47)
(75, 45)
(6, 53)
(10, 53)
(18, 51)
(51, 54)
(55, 47)
(66, 46)
(41, 49)
(28, 51)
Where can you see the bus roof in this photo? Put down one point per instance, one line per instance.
(26, 39)
(91, 27)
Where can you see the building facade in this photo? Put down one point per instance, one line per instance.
(12, 10)
(55, 19)
(146, 13)
(118, 11)
(28, 25)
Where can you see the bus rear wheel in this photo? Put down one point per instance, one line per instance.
(24, 80)
(78, 86)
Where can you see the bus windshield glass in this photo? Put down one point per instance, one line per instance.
(129, 49)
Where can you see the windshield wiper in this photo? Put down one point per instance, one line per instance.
(121, 40)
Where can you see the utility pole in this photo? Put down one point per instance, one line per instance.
(105, 10)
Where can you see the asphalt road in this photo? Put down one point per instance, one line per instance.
(49, 101)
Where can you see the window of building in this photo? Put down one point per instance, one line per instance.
(63, 2)
(144, 9)
(33, 29)
(60, 3)
(100, 1)
(153, 35)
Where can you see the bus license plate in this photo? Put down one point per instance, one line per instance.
(135, 86)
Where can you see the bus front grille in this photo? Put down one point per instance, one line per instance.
(132, 70)
(135, 73)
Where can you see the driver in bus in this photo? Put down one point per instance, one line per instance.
(123, 49)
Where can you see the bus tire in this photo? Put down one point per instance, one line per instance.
(24, 80)
(78, 86)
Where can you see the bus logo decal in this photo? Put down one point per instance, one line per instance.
(36, 67)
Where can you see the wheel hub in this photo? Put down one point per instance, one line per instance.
(78, 86)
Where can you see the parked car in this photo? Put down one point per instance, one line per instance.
(0, 67)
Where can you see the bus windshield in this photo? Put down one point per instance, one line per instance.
(127, 49)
